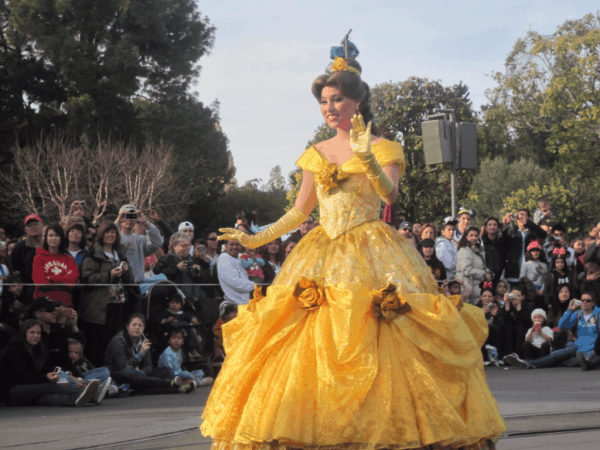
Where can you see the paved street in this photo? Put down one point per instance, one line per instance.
(549, 409)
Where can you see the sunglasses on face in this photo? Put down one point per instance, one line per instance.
(587, 301)
(212, 239)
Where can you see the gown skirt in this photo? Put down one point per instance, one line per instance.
(353, 347)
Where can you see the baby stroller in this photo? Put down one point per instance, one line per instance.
(155, 301)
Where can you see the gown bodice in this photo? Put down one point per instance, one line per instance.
(344, 192)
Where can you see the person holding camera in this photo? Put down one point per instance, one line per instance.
(180, 268)
(585, 314)
(138, 246)
(516, 238)
(103, 308)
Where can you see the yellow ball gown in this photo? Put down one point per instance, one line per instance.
(354, 346)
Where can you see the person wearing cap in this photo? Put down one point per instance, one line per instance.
(55, 336)
(427, 250)
(138, 246)
(188, 229)
(464, 222)
(406, 230)
(34, 231)
(445, 249)
(538, 340)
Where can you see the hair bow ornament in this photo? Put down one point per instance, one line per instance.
(488, 285)
(559, 251)
(534, 244)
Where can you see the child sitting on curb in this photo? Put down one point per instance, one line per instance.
(172, 358)
(538, 340)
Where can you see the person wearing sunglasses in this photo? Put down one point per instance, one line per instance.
(581, 352)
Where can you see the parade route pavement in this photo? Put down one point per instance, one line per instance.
(551, 409)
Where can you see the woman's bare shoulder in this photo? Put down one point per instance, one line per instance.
(324, 145)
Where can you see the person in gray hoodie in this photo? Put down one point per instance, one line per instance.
(138, 246)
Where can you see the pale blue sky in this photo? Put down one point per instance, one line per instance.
(267, 54)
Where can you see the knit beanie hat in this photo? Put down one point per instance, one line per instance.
(539, 311)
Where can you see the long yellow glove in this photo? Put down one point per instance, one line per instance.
(360, 141)
(290, 221)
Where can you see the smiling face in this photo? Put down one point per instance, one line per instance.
(33, 335)
(336, 108)
(233, 248)
(464, 221)
(110, 237)
(564, 295)
(273, 248)
(486, 298)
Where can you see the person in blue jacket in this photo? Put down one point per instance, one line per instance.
(586, 320)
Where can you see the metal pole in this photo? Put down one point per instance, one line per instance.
(345, 43)
(453, 138)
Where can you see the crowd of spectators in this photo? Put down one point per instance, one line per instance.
(77, 322)
(538, 291)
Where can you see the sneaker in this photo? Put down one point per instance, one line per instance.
(492, 354)
(582, 361)
(102, 390)
(186, 389)
(512, 354)
(206, 381)
(516, 361)
(177, 381)
(112, 390)
(88, 393)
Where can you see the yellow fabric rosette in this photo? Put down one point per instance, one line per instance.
(330, 176)
(339, 65)
(258, 295)
(387, 304)
(309, 294)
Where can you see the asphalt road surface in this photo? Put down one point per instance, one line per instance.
(544, 409)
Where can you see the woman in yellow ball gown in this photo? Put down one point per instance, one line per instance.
(354, 346)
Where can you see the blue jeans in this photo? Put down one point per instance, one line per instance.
(99, 373)
(43, 394)
(563, 357)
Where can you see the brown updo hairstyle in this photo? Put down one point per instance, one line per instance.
(350, 85)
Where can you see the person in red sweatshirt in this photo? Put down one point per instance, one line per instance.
(54, 269)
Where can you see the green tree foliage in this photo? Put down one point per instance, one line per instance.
(268, 205)
(496, 180)
(568, 200)
(400, 108)
(118, 68)
(547, 106)
(276, 181)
